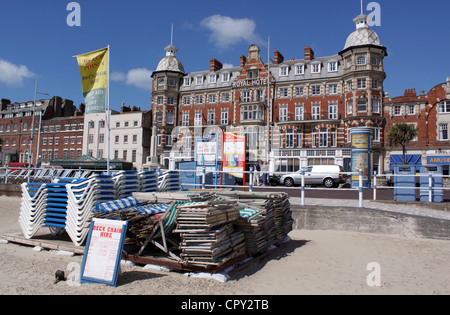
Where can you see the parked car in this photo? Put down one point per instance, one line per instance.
(328, 175)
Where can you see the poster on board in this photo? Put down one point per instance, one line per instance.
(101, 260)
(234, 154)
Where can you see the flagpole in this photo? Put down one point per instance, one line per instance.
(108, 115)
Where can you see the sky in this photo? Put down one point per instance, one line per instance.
(38, 45)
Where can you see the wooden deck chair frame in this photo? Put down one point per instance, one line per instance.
(160, 227)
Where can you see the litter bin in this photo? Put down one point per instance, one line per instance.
(437, 183)
(405, 186)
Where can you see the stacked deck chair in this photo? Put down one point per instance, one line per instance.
(148, 181)
(208, 236)
(32, 208)
(169, 181)
(126, 183)
(83, 196)
(252, 223)
(43, 205)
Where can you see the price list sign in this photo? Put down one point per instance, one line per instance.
(101, 260)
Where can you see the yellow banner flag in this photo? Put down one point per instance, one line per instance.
(94, 79)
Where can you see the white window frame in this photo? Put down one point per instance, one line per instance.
(375, 105)
(443, 132)
(332, 110)
(332, 66)
(299, 69)
(225, 97)
(299, 112)
(444, 107)
(361, 83)
(299, 91)
(361, 60)
(226, 77)
(187, 81)
(360, 104)
(212, 78)
(284, 92)
(199, 80)
(333, 89)
(316, 68)
(211, 98)
(349, 105)
(283, 71)
(314, 90)
(198, 118)
(211, 117)
(289, 138)
(315, 111)
(185, 119)
(246, 96)
(323, 137)
(398, 109)
(283, 113)
(224, 117)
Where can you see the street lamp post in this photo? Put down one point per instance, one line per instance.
(32, 127)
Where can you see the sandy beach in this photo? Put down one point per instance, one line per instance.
(312, 262)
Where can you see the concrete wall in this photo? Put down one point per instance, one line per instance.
(369, 221)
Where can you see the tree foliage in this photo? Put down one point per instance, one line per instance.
(401, 134)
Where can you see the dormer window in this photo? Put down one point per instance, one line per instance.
(187, 81)
(226, 77)
(283, 71)
(199, 80)
(316, 68)
(332, 66)
(212, 78)
(299, 69)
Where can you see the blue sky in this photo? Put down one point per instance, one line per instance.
(37, 44)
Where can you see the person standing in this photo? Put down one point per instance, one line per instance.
(256, 172)
(265, 174)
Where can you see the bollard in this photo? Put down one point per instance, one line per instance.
(303, 189)
(374, 185)
(204, 178)
(360, 189)
(250, 184)
(430, 187)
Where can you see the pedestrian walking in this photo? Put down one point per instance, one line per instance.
(265, 174)
(256, 174)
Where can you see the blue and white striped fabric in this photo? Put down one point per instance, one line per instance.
(114, 205)
(150, 209)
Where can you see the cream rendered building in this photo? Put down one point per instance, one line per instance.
(129, 135)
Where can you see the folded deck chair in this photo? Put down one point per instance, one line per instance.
(164, 226)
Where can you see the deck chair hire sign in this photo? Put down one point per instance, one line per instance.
(101, 260)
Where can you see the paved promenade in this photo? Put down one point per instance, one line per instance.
(418, 209)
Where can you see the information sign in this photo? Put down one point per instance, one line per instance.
(101, 260)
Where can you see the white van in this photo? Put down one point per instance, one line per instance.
(328, 175)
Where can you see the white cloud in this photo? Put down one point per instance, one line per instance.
(117, 76)
(226, 31)
(12, 74)
(139, 77)
(227, 66)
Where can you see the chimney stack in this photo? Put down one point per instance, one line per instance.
(243, 61)
(410, 92)
(215, 65)
(309, 53)
(278, 57)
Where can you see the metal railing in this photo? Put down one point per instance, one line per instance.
(431, 189)
(203, 185)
